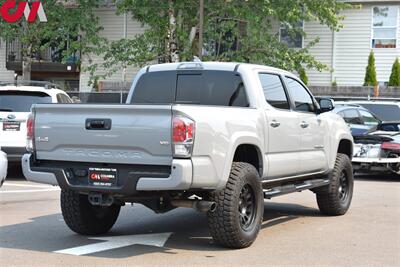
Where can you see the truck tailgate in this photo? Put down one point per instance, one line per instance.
(124, 134)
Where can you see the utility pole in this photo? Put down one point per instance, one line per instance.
(201, 26)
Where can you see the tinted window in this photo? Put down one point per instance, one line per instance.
(20, 101)
(368, 118)
(155, 88)
(220, 88)
(300, 96)
(351, 116)
(385, 112)
(273, 90)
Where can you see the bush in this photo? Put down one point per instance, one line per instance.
(370, 72)
(395, 75)
(303, 76)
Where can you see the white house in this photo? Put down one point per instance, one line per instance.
(371, 25)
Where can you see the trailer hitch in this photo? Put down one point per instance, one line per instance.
(99, 199)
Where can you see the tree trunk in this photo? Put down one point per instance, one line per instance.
(172, 47)
(26, 68)
(26, 57)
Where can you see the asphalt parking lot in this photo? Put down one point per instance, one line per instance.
(32, 232)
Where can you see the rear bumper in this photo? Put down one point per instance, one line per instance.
(376, 164)
(376, 160)
(14, 154)
(131, 178)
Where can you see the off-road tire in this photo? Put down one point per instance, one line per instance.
(225, 224)
(330, 198)
(84, 218)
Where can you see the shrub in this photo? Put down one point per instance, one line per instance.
(394, 79)
(303, 76)
(370, 72)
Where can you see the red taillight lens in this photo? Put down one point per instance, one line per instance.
(182, 129)
(391, 146)
(182, 136)
(29, 133)
(29, 127)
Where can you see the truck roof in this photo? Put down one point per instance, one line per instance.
(210, 65)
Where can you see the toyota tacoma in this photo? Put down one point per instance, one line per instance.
(216, 137)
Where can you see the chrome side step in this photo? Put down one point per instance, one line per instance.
(290, 188)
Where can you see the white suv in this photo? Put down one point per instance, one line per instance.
(15, 104)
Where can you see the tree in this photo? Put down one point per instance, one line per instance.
(234, 30)
(303, 76)
(370, 72)
(394, 79)
(69, 24)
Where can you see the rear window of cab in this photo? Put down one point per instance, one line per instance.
(206, 87)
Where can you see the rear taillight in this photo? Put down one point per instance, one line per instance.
(182, 136)
(29, 133)
(390, 146)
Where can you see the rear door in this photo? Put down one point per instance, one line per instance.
(311, 127)
(15, 107)
(282, 134)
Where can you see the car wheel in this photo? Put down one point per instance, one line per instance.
(335, 198)
(240, 207)
(84, 218)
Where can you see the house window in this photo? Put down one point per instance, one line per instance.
(384, 26)
(290, 38)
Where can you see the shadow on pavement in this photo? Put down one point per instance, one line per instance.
(190, 231)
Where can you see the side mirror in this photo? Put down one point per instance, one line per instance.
(326, 104)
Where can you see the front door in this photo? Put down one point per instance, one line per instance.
(282, 134)
(312, 155)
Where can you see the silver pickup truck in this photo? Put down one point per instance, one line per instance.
(216, 137)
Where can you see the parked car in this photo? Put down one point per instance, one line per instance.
(377, 151)
(15, 104)
(358, 118)
(217, 137)
(3, 167)
(384, 110)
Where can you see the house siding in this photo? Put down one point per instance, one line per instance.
(345, 53)
(353, 45)
(322, 51)
(113, 29)
(5, 75)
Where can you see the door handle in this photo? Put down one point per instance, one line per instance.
(275, 123)
(304, 124)
(98, 124)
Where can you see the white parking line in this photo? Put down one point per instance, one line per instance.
(27, 185)
(114, 242)
(29, 190)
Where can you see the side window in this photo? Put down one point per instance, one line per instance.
(351, 116)
(273, 90)
(368, 118)
(302, 99)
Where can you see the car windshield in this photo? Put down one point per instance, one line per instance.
(20, 101)
(385, 112)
